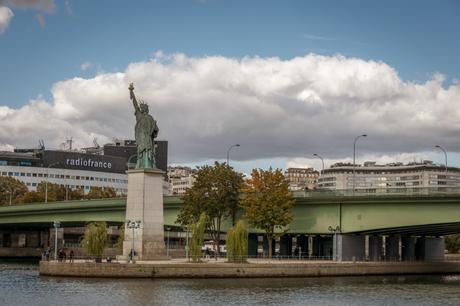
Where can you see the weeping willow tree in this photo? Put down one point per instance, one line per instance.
(198, 230)
(95, 239)
(237, 242)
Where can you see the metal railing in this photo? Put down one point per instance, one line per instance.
(425, 191)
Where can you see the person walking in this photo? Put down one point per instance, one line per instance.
(71, 255)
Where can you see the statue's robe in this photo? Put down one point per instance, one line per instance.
(145, 130)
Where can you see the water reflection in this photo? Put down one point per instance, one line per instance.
(22, 286)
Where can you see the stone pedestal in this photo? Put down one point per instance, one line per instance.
(145, 204)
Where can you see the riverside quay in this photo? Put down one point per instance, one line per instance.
(342, 226)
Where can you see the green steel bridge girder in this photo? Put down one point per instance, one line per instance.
(421, 215)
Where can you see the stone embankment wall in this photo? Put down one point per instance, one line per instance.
(228, 270)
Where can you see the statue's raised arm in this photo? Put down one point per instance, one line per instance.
(133, 97)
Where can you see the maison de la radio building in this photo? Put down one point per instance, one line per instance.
(89, 167)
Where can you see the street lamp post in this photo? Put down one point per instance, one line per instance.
(11, 191)
(354, 158)
(335, 230)
(133, 225)
(228, 152)
(46, 181)
(168, 229)
(445, 156)
(322, 160)
(56, 225)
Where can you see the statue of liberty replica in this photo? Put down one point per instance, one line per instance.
(146, 131)
(144, 226)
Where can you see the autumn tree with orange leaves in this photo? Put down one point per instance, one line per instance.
(267, 202)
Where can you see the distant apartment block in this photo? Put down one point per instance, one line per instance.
(179, 179)
(371, 177)
(301, 178)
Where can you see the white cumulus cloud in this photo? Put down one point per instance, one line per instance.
(5, 17)
(273, 107)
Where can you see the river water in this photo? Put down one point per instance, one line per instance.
(21, 285)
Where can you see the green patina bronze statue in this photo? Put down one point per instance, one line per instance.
(146, 131)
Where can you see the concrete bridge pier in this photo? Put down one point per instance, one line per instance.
(408, 248)
(253, 245)
(286, 245)
(392, 248)
(430, 248)
(350, 247)
(302, 243)
(375, 248)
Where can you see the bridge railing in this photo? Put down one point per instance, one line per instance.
(375, 192)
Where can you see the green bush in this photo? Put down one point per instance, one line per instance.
(453, 243)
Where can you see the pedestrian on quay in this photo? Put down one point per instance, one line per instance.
(71, 255)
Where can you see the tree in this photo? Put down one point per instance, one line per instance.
(198, 230)
(32, 197)
(57, 192)
(215, 193)
(95, 239)
(453, 243)
(11, 189)
(101, 193)
(121, 239)
(237, 242)
(267, 202)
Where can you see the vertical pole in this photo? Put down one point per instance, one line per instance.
(167, 246)
(336, 253)
(354, 158)
(46, 190)
(132, 247)
(186, 245)
(55, 241)
(11, 193)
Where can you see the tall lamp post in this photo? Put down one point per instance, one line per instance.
(322, 160)
(228, 152)
(133, 225)
(168, 229)
(56, 225)
(445, 157)
(335, 230)
(46, 181)
(354, 158)
(11, 191)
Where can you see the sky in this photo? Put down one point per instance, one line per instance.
(284, 79)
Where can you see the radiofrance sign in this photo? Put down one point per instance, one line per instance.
(88, 162)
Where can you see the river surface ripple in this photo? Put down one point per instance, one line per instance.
(21, 285)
